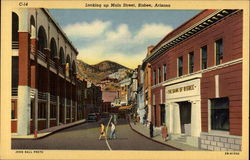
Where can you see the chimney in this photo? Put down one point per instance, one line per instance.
(150, 49)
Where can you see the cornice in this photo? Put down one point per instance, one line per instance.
(190, 32)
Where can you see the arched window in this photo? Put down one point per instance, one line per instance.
(32, 26)
(61, 56)
(73, 67)
(68, 66)
(15, 24)
(42, 39)
(53, 48)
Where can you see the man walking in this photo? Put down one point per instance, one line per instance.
(112, 133)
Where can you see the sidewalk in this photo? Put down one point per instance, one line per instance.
(48, 131)
(144, 130)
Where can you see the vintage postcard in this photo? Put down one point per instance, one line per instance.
(124, 79)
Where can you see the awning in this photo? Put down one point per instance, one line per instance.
(125, 107)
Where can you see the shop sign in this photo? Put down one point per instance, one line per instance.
(184, 89)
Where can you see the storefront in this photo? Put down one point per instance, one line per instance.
(183, 109)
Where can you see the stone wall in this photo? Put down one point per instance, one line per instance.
(220, 143)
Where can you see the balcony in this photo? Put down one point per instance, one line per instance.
(52, 63)
(61, 70)
(68, 102)
(41, 55)
(32, 93)
(53, 98)
(14, 92)
(42, 96)
(62, 101)
(15, 44)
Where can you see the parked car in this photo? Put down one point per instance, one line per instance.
(92, 117)
(104, 115)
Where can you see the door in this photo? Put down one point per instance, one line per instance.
(185, 116)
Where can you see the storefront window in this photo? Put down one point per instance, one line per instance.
(220, 114)
(13, 110)
(163, 112)
(53, 111)
(42, 110)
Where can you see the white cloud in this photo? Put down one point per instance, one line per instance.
(123, 46)
(122, 33)
(152, 31)
(85, 29)
(91, 56)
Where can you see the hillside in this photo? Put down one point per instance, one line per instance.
(95, 73)
(109, 66)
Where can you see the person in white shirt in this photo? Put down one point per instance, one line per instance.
(112, 133)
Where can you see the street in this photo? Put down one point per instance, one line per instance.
(85, 137)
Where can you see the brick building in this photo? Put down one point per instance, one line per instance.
(197, 80)
(45, 88)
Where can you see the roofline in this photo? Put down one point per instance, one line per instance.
(198, 27)
(157, 45)
(46, 11)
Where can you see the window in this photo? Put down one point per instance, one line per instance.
(154, 76)
(164, 72)
(204, 57)
(220, 114)
(159, 75)
(53, 111)
(13, 110)
(163, 112)
(191, 62)
(68, 112)
(42, 110)
(219, 51)
(180, 66)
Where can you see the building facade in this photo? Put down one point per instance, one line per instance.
(197, 81)
(45, 87)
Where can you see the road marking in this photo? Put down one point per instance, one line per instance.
(107, 134)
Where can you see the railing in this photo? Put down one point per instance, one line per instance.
(53, 98)
(14, 92)
(32, 93)
(41, 55)
(68, 102)
(15, 44)
(52, 63)
(60, 70)
(62, 101)
(42, 96)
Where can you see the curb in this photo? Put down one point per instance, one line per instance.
(50, 133)
(153, 139)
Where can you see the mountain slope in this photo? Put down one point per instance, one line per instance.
(95, 73)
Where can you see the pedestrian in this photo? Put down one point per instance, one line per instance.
(102, 131)
(112, 131)
(151, 129)
(134, 119)
(164, 132)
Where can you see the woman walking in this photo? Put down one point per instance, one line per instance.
(164, 132)
(102, 131)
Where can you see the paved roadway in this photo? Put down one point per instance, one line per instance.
(85, 137)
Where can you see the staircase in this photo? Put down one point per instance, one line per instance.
(181, 138)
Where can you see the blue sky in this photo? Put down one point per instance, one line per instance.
(118, 35)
